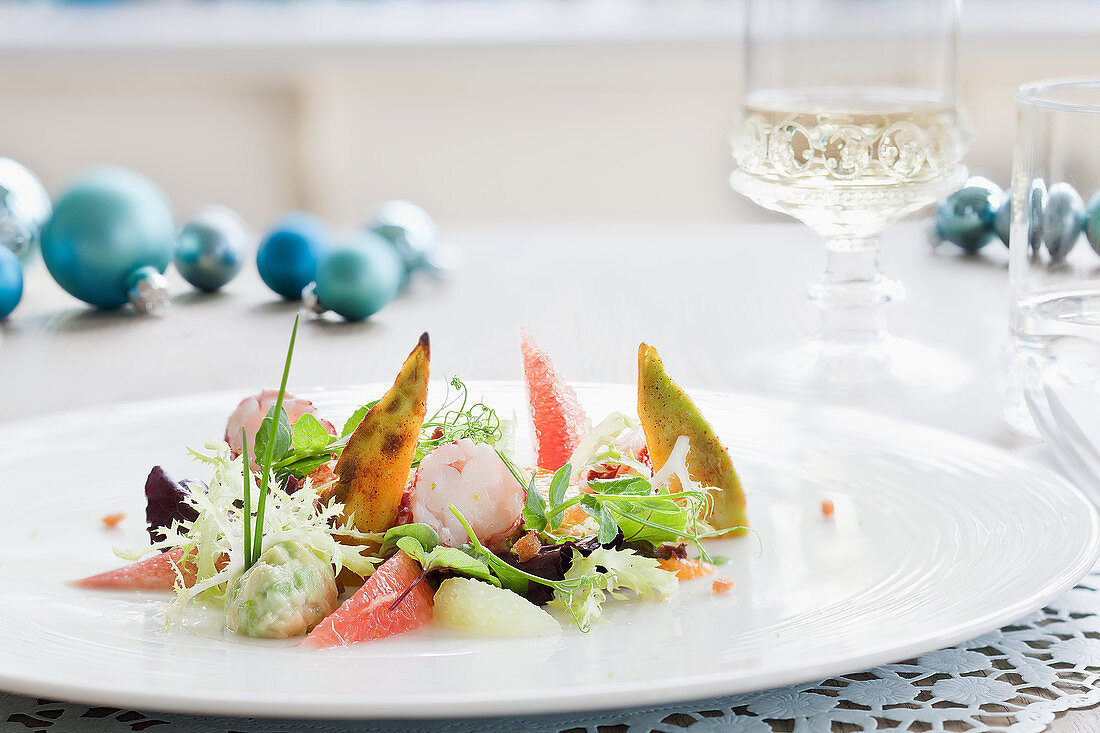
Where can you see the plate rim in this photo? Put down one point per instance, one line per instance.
(690, 689)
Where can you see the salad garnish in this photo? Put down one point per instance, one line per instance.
(409, 501)
(312, 445)
(640, 508)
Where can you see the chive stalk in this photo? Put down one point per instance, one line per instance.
(269, 449)
(247, 502)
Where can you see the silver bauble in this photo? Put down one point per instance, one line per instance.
(24, 209)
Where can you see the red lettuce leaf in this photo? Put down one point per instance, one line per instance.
(165, 502)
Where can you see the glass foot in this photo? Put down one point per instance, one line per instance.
(890, 369)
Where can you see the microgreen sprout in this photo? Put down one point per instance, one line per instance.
(456, 419)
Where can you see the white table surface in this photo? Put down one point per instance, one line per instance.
(706, 295)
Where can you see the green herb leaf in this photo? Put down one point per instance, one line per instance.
(534, 508)
(422, 533)
(656, 521)
(450, 558)
(282, 442)
(558, 484)
(356, 418)
(310, 435)
(629, 486)
(302, 467)
(411, 547)
(608, 526)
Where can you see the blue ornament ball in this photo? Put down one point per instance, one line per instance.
(1092, 221)
(108, 224)
(288, 255)
(1002, 220)
(358, 278)
(11, 282)
(1063, 220)
(409, 229)
(210, 248)
(966, 216)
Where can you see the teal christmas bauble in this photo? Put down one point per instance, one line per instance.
(966, 216)
(11, 282)
(109, 223)
(288, 255)
(1002, 220)
(1063, 220)
(358, 278)
(1092, 221)
(24, 209)
(210, 248)
(409, 229)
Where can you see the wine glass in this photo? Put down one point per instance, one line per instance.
(849, 123)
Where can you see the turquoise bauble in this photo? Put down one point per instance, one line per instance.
(358, 278)
(1002, 220)
(24, 209)
(108, 224)
(1092, 221)
(210, 248)
(966, 216)
(1063, 220)
(287, 257)
(11, 282)
(409, 229)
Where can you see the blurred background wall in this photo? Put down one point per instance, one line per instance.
(514, 110)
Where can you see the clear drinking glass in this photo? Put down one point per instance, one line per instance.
(849, 123)
(1055, 239)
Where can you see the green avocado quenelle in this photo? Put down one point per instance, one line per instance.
(285, 593)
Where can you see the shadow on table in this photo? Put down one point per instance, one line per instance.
(276, 305)
(332, 325)
(199, 296)
(79, 318)
(993, 256)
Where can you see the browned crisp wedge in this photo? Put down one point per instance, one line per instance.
(372, 471)
(666, 413)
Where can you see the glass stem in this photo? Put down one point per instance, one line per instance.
(853, 292)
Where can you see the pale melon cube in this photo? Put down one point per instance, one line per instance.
(480, 608)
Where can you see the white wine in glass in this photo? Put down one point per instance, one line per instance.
(849, 123)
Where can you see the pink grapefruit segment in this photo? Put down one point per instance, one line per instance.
(366, 616)
(556, 414)
(156, 572)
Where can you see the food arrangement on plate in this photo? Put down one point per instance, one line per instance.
(414, 518)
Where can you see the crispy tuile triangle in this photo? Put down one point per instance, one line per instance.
(666, 413)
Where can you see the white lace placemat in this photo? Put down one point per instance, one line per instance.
(1015, 680)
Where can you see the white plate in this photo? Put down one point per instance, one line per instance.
(936, 539)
